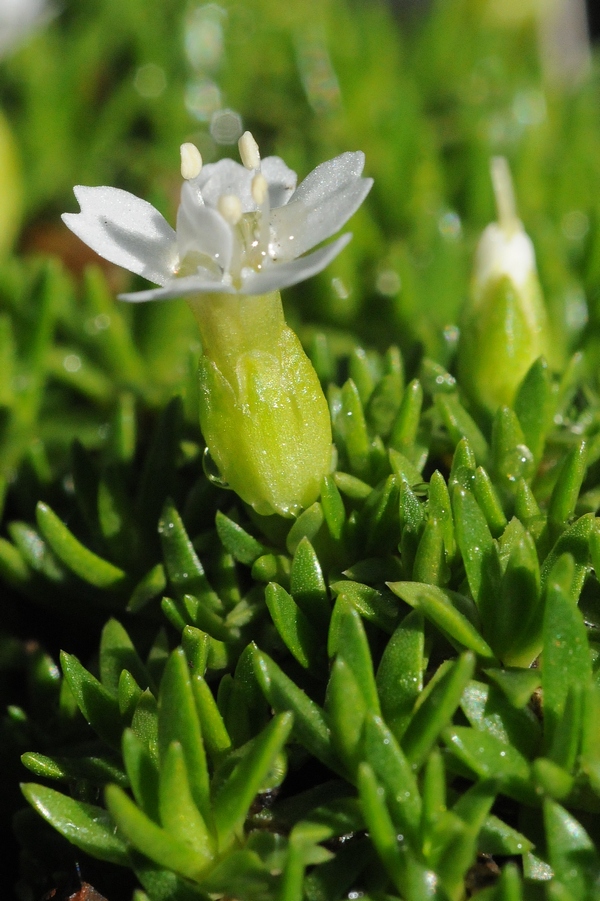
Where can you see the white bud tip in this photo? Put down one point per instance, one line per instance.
(260, 189)
(191, 161)
(230, 208)
(249, 151)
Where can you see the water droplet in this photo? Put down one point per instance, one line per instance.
(211, 471)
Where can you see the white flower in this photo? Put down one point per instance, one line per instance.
(18, 18)
(241, 229)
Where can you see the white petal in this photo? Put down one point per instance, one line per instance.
(125, 230)
(330, 176)
(181, 287)
(226, 177)
(282, 275)
(202, 229)
(282, 180)
(299, 227)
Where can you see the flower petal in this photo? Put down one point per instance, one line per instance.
(181, 287)
(298, 226)
(328, 177)
(203, 230)
(282, 275)
(281, 179)
(226, 177)
(125, 230)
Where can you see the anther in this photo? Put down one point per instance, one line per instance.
(191, 161)
(249, 151)
(260, 189)
(230, 208)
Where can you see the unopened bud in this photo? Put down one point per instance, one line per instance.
(504, 326)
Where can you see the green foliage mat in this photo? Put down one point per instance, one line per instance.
(396, 695)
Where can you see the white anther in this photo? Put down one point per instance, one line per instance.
(249, 151)
(191, 161)
(230, 208)
(260, 189)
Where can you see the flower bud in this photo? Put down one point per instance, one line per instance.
(263, 414)
(504, 326)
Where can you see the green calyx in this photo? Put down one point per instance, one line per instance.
(262, 411)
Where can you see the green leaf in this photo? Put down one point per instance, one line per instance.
(307, 585)
(566, 490)
(153, 841)
(83, 562)
(440, 510)
(571, 852)
(184, 570)
(346, 708)
(511, 458)
(307, 525)
(566, 659)
(159, 468)
(142, 771)
(295, 628)
(534, 406)
(440, 606)
(86, 826)
(333, 507)
(214, 733)
(178, 813)
(461, 425)
(384, 755)
(240, 544)
(377, 607)
(491, 758)
(498, 838)
(430, 560)
(310, 724)
(97, 770)
(381, 828)
(574, 541)
(400, 673)
(406, 424)
(476, 546)
(436, 711)
(117, 653)
(517, 684)
(487, 709)
(464, 464)
(233, 800)
(517, 627)
(352, 487)
(489, 502)
(99, 707)
(178, 721)
(151, 586)
(348, 640)
(357, 442)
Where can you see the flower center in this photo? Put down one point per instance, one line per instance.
(250, 228)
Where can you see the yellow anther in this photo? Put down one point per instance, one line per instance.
(249, 151)
(260, 189)
(191, 161)
(230, 208)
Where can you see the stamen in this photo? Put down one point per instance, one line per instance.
(191, 161)
(259, 188)
(230, 208)
(249, 151)
(505, 194)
